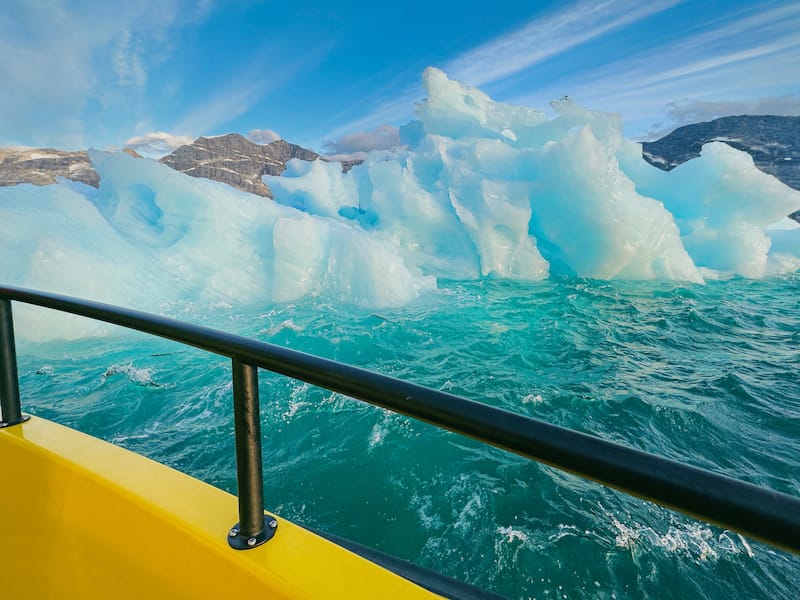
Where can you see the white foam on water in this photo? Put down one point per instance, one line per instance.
(143, 377)
(693, 540)
(509, 534)
(533, 399)
(377, 435)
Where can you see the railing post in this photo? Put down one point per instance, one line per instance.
(254, 527)
(10, 410)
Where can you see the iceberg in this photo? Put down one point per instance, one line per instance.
(486, 189)
(479, 189)
(158, 240)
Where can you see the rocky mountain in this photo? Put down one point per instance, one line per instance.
(235, 160)
(231, 159)
(42, 166)
(773, 142)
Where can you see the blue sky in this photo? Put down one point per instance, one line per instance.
(102, 73)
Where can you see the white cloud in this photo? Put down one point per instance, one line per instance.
(736, 59)
(683, 112)
(399, 108)
(242, 91)
(157, 143)
(686, 112)
(210, 113)
(383, 137)
(263, 136)
(66, 66)
(346, 156)
(713, 63)
(127, 61)
(545, 37)
(536, 41)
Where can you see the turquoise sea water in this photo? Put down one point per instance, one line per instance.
(705, 374)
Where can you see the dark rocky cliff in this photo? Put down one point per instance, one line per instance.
(235, 160)
(42, 166)
(773, 142)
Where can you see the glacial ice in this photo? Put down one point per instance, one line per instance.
(485, 189)
(152, 238)
(481, 189)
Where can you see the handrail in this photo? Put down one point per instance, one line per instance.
(10, 413)
(770, 516)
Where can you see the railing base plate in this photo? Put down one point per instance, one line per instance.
(245, 542)
(22, 419)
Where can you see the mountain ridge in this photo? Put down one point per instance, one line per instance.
(41, 166)
(773, 141)
(231, 159)
(236, 161)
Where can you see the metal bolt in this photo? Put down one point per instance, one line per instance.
(251, 542)
(273, 524)
(233, 532)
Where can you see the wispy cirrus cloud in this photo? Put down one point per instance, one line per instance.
(738, 56)
(538, 40)
(246, 87)
(694, 111)
(548, 36)
(62, 63)
(735, 61)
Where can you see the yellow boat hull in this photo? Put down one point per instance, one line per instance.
(81, 518)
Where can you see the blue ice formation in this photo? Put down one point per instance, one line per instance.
(486, 189)
(152, 238)
(481, 189)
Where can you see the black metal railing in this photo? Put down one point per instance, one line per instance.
(764, 514)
